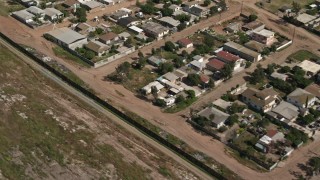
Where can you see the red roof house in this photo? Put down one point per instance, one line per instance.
(215, 64)
(227, 57)
(184, 42)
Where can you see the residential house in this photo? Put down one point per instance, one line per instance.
(255, 46)
(118, 15)
(156, 61)
(108, 2)
(198, 58)
(108, 38)
(97, 47)
(189, 4)
(304, 19)
(71, 4)
(180, 74)
(155, 30)
(222, 104)
(175, 7)
(204, 79)
(199, 11)
(23, 16)
(217, 117)
(230, 59)
(310, 67)
(233, 27)
(29, 3)
(264, 36)
(242, 51)
(135, 30)
(66, 37)
(170, 77)
(313, 89)
(128, 21)
(285, 112)
(36, 11)
(197, 65)
(169, 22)
(185, 42)
(84, 28)
(148, 88)
(265, 141)
(261, 100)
(215, 65)
(53, 14)
(286, 10)
(92, 6)
(253, 26)
(276, 75)
(301, 98)
(124, 35)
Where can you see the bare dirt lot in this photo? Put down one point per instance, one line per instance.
(174, 123)
(48, 134)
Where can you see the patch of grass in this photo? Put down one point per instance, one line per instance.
(244, 161)
(168, 55)
(7, 7)
(117, 29)
(302, 55)
(139, 78)
(276, 4)
(60, 52)
(180, 106)
(164, 171)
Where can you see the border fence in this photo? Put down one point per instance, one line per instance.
(117, 112)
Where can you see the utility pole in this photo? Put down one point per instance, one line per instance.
(294, 33)
(241, 6)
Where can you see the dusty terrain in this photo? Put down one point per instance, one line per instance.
(48, 134)
(173, 123)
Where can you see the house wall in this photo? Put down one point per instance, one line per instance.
(78, 43)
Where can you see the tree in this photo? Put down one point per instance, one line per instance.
(248, 64)
(153, 51)
(148, 8)
(184, 53)
(265, 51)
(201, 121)
(284, 69)
(154, 91)
(141, 63)
(180, 99)
(270, 69)
(314, 163)
(99, 30)
(191, 94)
(236, 108)
(214, 9)
(296, 7)
(181, 26)
(123, 68)
(169, 46)
(227, 71)
(252, 17)
(183, 17)
(128, 42)
(140, 54)
(165, 67)
(207, 2)
(232, 120)
(160, 103)
(209, 40)
(89, 54)
(243, 38)
(306, 119)
(193, 79)
(178, 62)
(263, 122)
(81, 14)
(166, 12)
(257, 76)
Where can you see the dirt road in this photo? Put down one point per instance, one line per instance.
(173, 123)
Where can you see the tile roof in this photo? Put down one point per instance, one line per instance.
(216, 64)
(227, 56)
(185, 41)
(108, 36)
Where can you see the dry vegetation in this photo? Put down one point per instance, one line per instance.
(47, 133)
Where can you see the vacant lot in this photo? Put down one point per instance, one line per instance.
(45, 133)
(276, 4)
(303, 55)
(7, 6)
